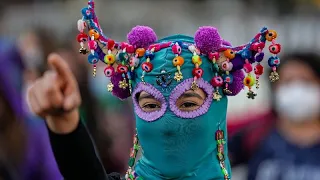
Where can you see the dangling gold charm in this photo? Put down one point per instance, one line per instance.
(178, 76)
(123, 84)
(274, 76)
(110, 87)
(194, 86)
(83, 50)
(257, 84)
(216, 95)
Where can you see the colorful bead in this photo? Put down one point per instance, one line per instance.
(217, 81)
(258, 46)
(228, 78)
(130, 49)
(140, 52)
(123, 57)
(82, 37)
(259, 57)
(226, 66)
(94, 33)
(93, 58)
(86, 13)
(219, 134)
(147, 66)
(258, 69)
(197, 72)
(249, 81)
(275, 48)
(229, 53)
(111, 44)
(109, 71)
(271, 35)
(176, 49)
(178, 61)
(149, 54)
(122, 69)
(109, 59)
(196, 59)
(273, 61)
(214, 56)
(81, 25)
(247, 67)
(93, 45)
(134, 61)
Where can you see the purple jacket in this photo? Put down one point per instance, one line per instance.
(39, 163)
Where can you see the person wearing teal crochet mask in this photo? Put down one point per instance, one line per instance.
(179, 86)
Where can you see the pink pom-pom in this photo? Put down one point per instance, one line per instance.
(226, 43)
(141, 37)
(207, 39)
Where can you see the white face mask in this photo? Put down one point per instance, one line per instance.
(298, 101)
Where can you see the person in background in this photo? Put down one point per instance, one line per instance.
(25, 153)
(113, 139)
(285, 144)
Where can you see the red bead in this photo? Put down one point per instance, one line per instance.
(130, 49)
(176, 49)
(258, 69)
(257, 46)
(109, 71)
(217, 81)
(147, 66)
(247, 67)
(82, 37)
(93, 45)
(214, 55)
(197, 72)
(275, 49)
(123, 45)
(122, 69)
(111, 44)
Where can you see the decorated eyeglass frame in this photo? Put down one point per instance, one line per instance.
(122, 58)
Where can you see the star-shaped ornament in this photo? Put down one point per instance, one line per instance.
(227, 91)
(83, 50)
(123, 84)
(178, 76)
(217, 96)
(110, 87)
(251, 95)
(194, 86)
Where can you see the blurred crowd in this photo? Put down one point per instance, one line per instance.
(280, 142)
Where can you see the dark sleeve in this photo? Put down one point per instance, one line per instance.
(76, 156)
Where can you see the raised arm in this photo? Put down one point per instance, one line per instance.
(56, 98)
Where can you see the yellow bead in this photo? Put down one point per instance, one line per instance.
(196, 59)
(109, 59)
(249, 81)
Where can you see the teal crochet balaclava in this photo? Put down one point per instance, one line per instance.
(178, 144)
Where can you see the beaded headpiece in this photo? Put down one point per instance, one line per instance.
(229, 64)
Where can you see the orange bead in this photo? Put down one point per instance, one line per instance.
(94, 33)
(140, 52)
(271, 35)
(229, 53)
(178, 61)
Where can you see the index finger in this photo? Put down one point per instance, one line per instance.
(58, 64)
